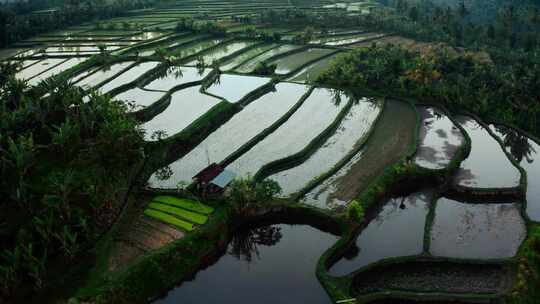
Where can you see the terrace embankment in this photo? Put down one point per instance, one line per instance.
(388, 143)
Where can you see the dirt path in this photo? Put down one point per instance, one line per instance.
(388, 143)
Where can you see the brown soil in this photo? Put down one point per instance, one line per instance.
(142, 236)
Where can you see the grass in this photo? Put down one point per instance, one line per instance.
(179, 212)
(169, 219)
(184, 203)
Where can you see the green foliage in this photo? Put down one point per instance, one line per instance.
(355, 212)
(264, 68)
(525, 289)
(505, 92)
(244, 192)
(64, 165)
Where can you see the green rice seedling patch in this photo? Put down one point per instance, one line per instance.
(184, 203)
(179, 212)
(169, 219)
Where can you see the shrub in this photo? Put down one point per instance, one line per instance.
(355, 211)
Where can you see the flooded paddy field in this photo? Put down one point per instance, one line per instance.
(313, 71)
(267, 262)
(487, 166)
(251, 64)
(317, 113)
(221, 52)
(291, 63)
(388, 143)
(349, 135)
(128, 76)
(439, 138)
(244, 126)
(185, 107)
(384, 237)
(175, 76)
(101, 76)
(38, 68)
(476, 231)
(237, 60)
(55, 70)
(139, 97)
(233, 87)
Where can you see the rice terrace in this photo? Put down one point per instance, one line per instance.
(273, 151)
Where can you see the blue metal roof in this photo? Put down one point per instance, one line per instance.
(224, 178)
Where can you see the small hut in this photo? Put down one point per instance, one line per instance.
(213, 179)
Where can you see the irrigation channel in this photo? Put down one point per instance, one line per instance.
(449, 230)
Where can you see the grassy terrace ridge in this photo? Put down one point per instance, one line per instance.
(169, 219)
(184, 203)
(180, 213)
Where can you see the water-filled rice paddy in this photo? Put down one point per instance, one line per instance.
(242, 127)
(282, 259)
(487, 166)
(349, 135)
(102, 75)
(234, 87)
(313, 71)
(251, 64)
(221, 52)
(176, 76)
(396, 231)
(197, 47)
(525, 152)
(128, 76)
(140, 98)
(316, 114)
(293, 62)
(387, 144)
(55, 70)
(185, 107)
(237, 60)
(439, 139)
(38, 68)
(476, 231)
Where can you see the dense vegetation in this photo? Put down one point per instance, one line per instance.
(505, 92)
(64, 165)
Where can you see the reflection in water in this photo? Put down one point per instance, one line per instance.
(347, 138)
(398, 230)
(246, 242)
(485, 231)
(233, 87)
(241, 128)
(174, 75)
(284, 271)
(439, 139)
(487, 165)
(315, 115)
(525, 151)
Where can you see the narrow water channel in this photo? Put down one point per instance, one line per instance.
(269, 264)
